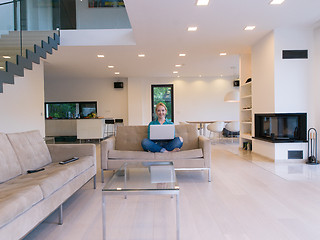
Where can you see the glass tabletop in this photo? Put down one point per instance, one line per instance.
(145, 176)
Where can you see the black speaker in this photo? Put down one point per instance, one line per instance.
(118, 84)
(236, 83)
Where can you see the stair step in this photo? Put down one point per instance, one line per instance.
(34, 48)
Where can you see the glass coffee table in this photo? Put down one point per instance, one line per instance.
(142, 178)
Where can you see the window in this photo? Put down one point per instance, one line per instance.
(162, 93)
(66, 110)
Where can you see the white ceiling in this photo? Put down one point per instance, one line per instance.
(160, 31)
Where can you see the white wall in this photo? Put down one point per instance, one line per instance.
(21, 104)
(111, 102)
(101, 18)
(97, 37)
(194, 99)
(314, 120)
(263, 75)
(282, 85)
(292, 76)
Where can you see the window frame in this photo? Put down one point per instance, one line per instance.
(80, 104)
(171, 96)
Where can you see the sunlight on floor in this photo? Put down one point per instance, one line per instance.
(286, 170)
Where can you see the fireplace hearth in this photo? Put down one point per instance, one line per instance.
(281, 127)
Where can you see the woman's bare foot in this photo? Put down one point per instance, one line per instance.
(176, 150)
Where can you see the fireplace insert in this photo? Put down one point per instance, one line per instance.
(281, 127)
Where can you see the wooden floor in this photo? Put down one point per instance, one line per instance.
(250, 198)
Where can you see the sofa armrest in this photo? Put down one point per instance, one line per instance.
(205, 144)
(106, 145)
(60, 152)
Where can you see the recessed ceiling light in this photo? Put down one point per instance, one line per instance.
(182, 55)
(178, 65)
(200, 75)
(223, 54)
(192, 29)
(100, 56)
(1, 67)
(6, 56)
(110, 66)
(141, 55)
(276, 2)
(202, 2)
(116, 73)
(249, 28)
(175, 72)
(178, 76)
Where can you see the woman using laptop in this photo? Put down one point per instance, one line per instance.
(161, 145)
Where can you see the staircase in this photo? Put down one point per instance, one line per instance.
(15, 57)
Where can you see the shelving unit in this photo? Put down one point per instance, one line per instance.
(246, 114)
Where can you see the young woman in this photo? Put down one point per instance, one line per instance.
(161, 145)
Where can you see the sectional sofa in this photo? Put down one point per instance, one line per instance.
(195, 153)
(27, 199)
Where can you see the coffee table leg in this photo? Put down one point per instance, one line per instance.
(104, 217)
(178, 216)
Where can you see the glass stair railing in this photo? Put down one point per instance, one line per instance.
(10, 45)
(29, 29)
(26, 34)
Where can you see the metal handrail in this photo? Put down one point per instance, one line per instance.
(5, 3)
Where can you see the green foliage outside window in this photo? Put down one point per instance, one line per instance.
(67, 110)
(163, 94)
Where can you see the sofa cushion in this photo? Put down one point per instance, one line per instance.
(118, 154)
(10, 166)
(16, 199)
(189, 133)
(56, 175)
(129, 137)
(188, 154)
(31, 150)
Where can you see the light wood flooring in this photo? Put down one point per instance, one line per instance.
(250, 198)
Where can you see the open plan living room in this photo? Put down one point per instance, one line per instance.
(149, 119)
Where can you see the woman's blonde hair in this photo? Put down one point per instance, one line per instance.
(161, 104)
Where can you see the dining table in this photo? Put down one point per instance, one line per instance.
(203, 124)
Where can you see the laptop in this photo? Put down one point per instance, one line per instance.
(162, 132)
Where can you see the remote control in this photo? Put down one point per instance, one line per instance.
(35, 170)
(69, 160)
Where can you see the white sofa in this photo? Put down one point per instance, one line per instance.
(27, 199)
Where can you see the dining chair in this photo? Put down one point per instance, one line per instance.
(234, 128)
(216, 128)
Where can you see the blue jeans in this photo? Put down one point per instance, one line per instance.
(161, 145)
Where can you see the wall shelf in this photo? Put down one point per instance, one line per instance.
(245, 113)
(247, 96)
(246, 136)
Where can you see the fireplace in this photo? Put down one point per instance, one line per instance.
(281, 127)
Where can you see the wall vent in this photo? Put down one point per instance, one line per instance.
(294, 54)
(295, 154)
